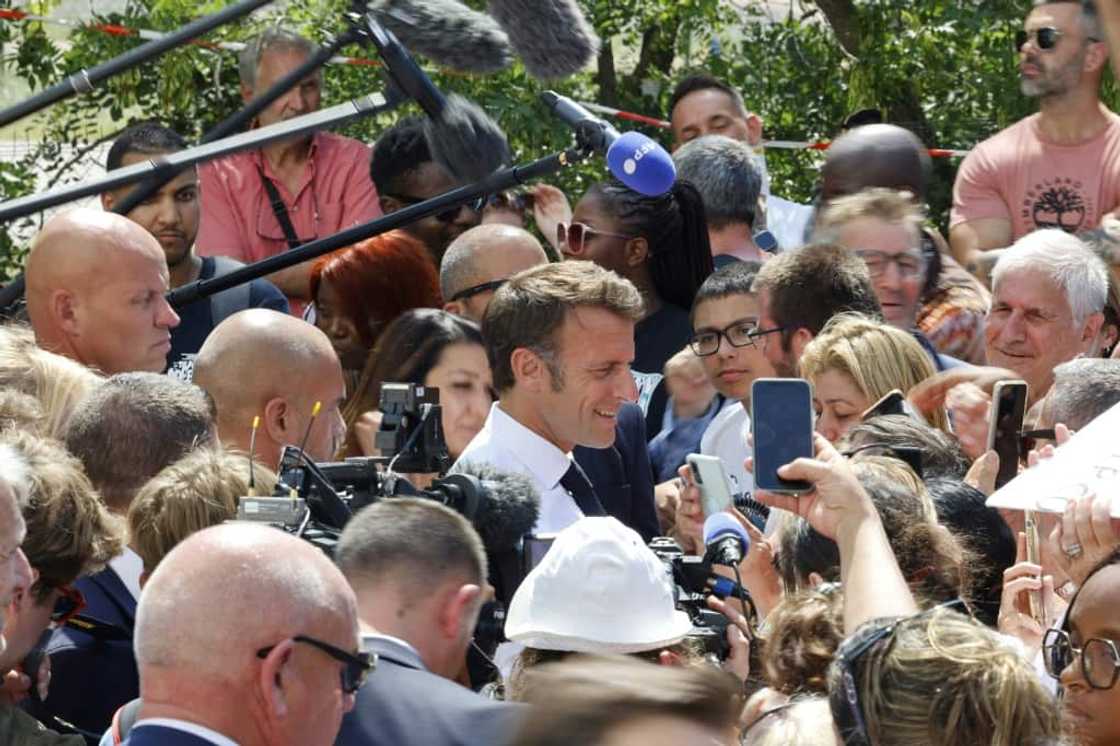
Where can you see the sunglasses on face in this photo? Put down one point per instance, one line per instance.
(70, 603)
(1100, 660)
(576, 235)
(447, 216)
(474, 290)
(1045, 38)
(356, 666)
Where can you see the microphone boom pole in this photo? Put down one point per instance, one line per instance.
(84, 81)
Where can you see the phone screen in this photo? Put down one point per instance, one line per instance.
(1009, 404)
(782, 423)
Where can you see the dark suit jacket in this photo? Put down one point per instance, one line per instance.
(158, 735)
(622, 475)
(91, 677)
(404, 704)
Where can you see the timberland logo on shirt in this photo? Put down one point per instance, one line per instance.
(1057, 203)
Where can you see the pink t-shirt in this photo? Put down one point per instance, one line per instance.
(1017, 176)
(237, 217)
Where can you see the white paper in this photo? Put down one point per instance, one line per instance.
(1088, 464)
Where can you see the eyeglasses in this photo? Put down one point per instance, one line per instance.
(447, 216)
(843, 700)
(910, 263)
(474, 290)
(1100, 660)
(740, 333)
(70, 603)
(1045, 38)
(357, 665)
(575, 236)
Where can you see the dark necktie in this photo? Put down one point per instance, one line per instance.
(577, 484)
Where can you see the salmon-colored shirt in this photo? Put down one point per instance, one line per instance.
(1018, 176)
(237, 218)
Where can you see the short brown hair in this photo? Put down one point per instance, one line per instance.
(200, 490)
(132, 426)
(807, 287)
(532, 305)
(803, 632)
(581, 700)
(70, 534)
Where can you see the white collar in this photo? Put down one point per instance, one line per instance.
(187, 727)
(541, 458)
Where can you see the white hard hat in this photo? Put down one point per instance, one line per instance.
(599, 589)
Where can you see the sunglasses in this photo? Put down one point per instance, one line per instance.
(1045, 38)
(1100, 660)
(70, 603)
(576, 235)
(356, 668)
(474, 290)
(449, 215)
(1028, 439)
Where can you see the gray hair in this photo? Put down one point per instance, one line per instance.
(249, 61)
(1090, 20)
(15, 473)
(1083, 390)
(1069, 264)
(723, 171)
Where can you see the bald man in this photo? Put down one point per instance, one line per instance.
(479, 261)
(264, 363)
(95, 292)
(246, 635)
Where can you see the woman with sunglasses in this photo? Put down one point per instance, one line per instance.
(658, 243)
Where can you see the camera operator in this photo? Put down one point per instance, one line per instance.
(556, 391)
(418, 570)
(601, 590)
(268, 364)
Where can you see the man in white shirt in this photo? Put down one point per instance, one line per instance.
(560, 339)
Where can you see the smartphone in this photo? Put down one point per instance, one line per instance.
(1034, 597)
(892, 403)
(782, 425)
(715, 488)
(533, 550)
(1009, 405)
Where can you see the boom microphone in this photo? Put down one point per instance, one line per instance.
(552, 37)
(447, 32)
(461, 136)
(509, 509)
(725, 539)
(634, 159)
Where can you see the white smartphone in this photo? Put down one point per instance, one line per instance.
(715, 488)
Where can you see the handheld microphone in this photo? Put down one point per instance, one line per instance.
(447, 32)
(552, 37)
(634, 159)
(461, 136)
(726, 541)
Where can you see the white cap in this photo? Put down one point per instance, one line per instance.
(599, 589)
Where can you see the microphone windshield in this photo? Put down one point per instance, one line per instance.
(552, 37)
(641, 164)
(509, 508)
(448, 33)
(721, 526)
(466, 141)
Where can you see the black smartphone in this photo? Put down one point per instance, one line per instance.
(533, 550)
(893, 402)
(782, 425)
(1009, 405)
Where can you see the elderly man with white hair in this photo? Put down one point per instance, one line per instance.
(246, 636)
(1048, 294)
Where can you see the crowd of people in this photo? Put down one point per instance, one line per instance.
(583, 347)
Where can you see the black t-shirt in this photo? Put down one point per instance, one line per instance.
(196, 321)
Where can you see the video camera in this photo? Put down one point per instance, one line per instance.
(315, 501)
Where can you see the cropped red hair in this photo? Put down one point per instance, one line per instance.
(379, 279)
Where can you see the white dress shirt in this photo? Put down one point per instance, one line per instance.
(506, 444)
(193, 728)
(128, 566)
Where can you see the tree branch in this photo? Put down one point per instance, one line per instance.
(844, 20)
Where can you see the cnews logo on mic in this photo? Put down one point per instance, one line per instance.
(630, 165)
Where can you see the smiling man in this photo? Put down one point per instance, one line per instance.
(1059, 168)
(560, 339)
(1048, 294)
(95, 292)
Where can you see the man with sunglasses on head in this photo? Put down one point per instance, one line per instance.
(479, 261)
(405, 174)
(246, 636)
(1059, 168)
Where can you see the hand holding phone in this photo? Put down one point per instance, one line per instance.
(782, 429)
(1009, 405)
(715, 488)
